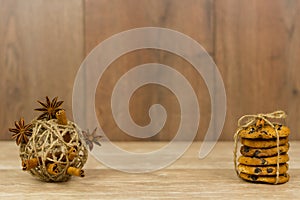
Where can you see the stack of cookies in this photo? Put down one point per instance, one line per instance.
(258, 162)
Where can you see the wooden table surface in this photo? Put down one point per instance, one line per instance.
(188, 178)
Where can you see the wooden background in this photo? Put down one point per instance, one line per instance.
(255, 44)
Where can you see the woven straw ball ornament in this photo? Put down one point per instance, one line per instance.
(50, 146)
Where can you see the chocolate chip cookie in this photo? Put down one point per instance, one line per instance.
(263, 170)
(252, 161)
(264, 132)
(265, 179)
(259, 152)
(261, 143)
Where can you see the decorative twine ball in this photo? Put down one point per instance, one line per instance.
(55, 151)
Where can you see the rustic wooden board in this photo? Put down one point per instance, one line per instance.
(41, 48)
(188, 178)
(255, 47)
(105, 18)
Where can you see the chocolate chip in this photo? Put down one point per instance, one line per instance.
(253, 178)
(269, 170)
(264, 132)
(252, 130)
(246, 149)
(259, 126)
(256, 153)
(263, 161)
(279, 128)
(257, 170)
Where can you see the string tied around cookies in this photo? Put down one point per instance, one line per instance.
(248, 120)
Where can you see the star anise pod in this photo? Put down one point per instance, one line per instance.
(91, 138)
(21, 132)
(49, 108)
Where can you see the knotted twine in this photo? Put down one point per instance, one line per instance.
(248, 120)
(52, 139)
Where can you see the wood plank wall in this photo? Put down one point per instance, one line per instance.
(129, 14)
(257, 48)
(41, 48)
(255, 44)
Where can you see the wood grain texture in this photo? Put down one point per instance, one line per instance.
(105, 18)
(41, 48)
(255, 47)
(187, 178)
(255, 44)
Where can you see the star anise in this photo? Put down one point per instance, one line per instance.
(49, 108)
(91, 138)
(21, 132)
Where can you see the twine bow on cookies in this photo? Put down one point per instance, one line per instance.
(251, 119)
(248, 120)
